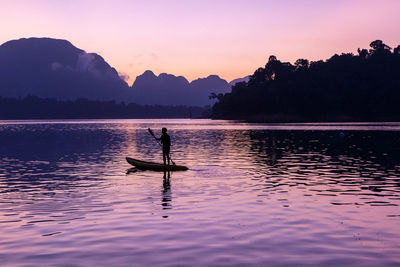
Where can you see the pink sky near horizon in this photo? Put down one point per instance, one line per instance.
(230, 38)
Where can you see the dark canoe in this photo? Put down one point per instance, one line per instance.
(145, 165)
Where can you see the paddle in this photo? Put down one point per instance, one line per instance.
(152, 134)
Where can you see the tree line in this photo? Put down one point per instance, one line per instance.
(32, 107)
(346, 87)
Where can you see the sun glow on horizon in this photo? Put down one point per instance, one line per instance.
(195, 39)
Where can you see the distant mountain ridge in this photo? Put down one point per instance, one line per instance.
(168, 89)
(239, 80)
(163, 89)
(54, 68)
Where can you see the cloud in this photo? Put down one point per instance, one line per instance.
(124, 76)
(85, 62)
(94, 65)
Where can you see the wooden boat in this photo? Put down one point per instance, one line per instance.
(146, 165)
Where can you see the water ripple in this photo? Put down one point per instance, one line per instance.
(255, 194)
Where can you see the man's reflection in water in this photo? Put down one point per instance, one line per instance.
(166, 192)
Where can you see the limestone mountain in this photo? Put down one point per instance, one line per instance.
(167, 89)
(55, 68)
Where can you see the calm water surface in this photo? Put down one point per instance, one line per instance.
(255, 194)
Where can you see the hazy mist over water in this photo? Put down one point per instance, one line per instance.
(255, 194)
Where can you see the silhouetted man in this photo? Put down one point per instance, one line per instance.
(166, 144)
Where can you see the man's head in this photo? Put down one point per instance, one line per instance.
(164, 130)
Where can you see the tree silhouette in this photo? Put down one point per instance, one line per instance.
(378, 45)
(345, 87)
(32, 107)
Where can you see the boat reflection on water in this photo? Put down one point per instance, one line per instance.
(132, 170)
(166, 193)
(166, 197)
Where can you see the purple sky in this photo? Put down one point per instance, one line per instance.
(230, 38)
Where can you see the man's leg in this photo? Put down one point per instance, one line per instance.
(163, 155)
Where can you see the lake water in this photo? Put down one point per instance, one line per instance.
(255, 194)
